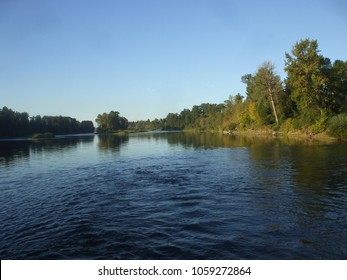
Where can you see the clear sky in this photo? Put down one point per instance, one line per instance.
(146, 58)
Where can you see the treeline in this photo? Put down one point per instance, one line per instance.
(311, 99)
(204, 117)
(16, 124)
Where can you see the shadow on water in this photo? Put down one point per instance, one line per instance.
(302, 187)
(112, 143)
(195, 140)
(218, 140)
(15, 150)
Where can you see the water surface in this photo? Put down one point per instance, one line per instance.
(172, 196)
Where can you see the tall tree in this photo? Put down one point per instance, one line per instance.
(307, 79)
(264, 89)
(271, 84)
(338, 86)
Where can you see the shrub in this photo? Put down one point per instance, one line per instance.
(232, 126)
(45, 135)
(287, 126)
(320, 124)
(337, 126)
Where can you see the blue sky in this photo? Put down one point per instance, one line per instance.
(146, 58)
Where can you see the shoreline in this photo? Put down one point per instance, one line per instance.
(322, 137)
(300, 135)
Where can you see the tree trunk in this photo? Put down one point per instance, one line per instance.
(273, 107)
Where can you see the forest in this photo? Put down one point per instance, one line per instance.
(310, 100)
(16, 124)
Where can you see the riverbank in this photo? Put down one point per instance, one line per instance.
(322, 137)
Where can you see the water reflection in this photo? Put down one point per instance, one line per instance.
(196, 140)
(18, 150)
(217, 140)
(12, 150)
(130, 196)
(304, 185)
(111, 143)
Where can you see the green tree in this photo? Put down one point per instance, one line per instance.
(14, 124)
(111, 122)
(307, 79)
(173, 121)
(264, 90)
(87, 127)
(338, 87)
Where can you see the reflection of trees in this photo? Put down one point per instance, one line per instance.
(63, 144)
(216, 140)
(12, 150)
(303, 186)
(17, 150)
(317, 168)
(321, 169)
(194, 140)
(319, 176)
(111, 143)
(209, 140)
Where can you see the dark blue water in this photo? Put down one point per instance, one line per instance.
(172, 196)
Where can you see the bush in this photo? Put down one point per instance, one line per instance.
(337, 126)
(287, 126)
(46, 135)
(320, 124)
(232, 126)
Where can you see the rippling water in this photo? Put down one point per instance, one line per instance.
(172, 196)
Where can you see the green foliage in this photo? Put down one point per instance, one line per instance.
(232, 126)
(307, 79)
(203, 117)
(287, 126)
(338, 87)
(264, 90)
(320, 123)
(173, 122)
(337, 126)
(87, 127)
(314, 90)
(146, 125)
(14, 124)
(111, 122)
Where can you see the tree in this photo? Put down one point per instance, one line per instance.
(307, 79)
(111, 122)
(338, 86)
(173, 121)
(87, 127)
(14, 124)
(263, 90)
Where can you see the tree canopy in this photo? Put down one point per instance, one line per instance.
(15, 124)
(265, 90)
(110, 122)
(308, 79)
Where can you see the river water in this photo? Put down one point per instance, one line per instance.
(172, 196)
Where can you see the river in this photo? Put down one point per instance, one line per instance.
(172, 195)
